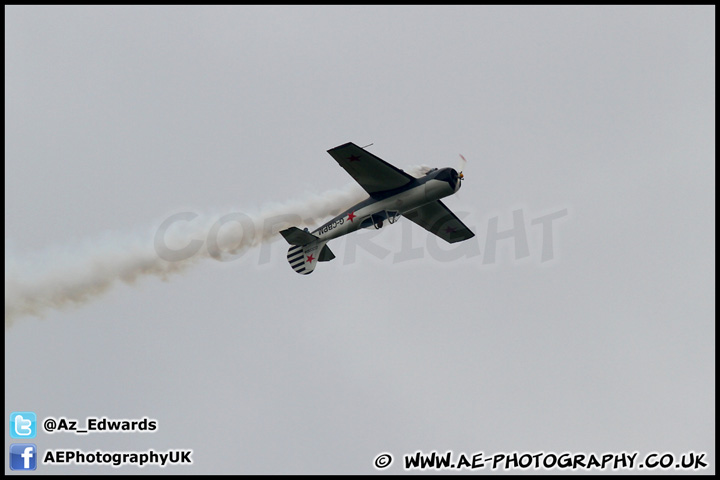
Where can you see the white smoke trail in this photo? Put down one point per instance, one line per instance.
(71, 276)
(62, 277)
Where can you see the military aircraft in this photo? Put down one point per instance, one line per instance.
(393, 193)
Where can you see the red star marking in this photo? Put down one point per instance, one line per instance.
(310, 259)
(354, 158)
(351, 215)
(450, 230)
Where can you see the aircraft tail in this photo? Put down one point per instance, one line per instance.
(306, 250)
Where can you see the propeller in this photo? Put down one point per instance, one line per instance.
(461, 167)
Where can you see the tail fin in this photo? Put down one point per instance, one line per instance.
(301, 259)
(306, 250)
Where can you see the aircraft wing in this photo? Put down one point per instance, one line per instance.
(372, 173)
(436, 218)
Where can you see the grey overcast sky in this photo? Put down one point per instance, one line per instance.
(117, 118)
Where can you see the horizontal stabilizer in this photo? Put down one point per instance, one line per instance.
(325, 254)
(295, 236)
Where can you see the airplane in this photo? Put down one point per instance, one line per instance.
(393, 193)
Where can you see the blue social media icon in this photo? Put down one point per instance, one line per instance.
(23, 456)
(23, 425)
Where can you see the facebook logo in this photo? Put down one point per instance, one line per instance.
(22, 425)
(23, 456)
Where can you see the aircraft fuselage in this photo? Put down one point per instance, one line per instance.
(375, 211)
